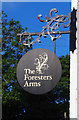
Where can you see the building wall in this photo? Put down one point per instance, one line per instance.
(73, 75)
(78, 59)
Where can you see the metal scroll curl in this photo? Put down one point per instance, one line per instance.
(52, 24)
(57, 18)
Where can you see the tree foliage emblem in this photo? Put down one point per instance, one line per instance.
(41, 63)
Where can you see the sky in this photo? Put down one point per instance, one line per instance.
(27, 13)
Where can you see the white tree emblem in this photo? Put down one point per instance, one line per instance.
(41, 63)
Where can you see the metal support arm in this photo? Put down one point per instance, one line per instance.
(49, 29)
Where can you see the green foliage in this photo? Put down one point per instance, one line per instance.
(12, 51)
(18, 104)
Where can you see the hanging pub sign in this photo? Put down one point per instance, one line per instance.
(38, 71)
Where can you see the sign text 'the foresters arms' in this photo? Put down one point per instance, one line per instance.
(30, 78)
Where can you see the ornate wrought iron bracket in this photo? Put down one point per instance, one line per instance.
(49, 29)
